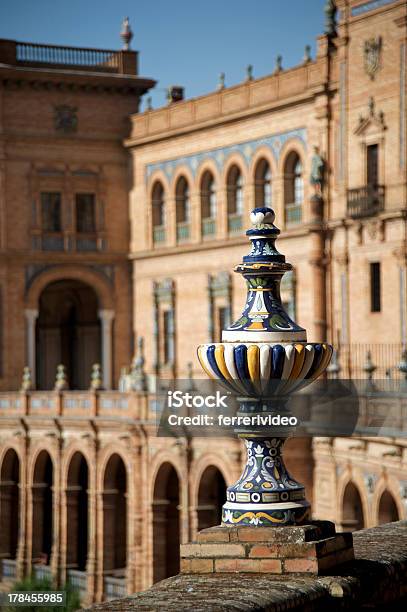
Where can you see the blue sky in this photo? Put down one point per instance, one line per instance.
(183, 42)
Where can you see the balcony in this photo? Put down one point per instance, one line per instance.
(293, 213)
(159, 234)
(42, 572)
(8, 569)
(234, 223)
(74, 58)
(182, 232)
(365, 201)
(78, 580)
(114, 587)
(58, 241)
(208, 227)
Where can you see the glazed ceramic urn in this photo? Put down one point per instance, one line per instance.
(264, 357)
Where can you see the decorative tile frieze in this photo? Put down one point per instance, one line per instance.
(247, 149)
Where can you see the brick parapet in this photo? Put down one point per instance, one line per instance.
(376, 578)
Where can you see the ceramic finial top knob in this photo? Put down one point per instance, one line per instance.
(262, 216)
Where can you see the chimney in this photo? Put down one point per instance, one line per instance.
(175, 93)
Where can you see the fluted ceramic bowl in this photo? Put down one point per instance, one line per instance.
(264, 369)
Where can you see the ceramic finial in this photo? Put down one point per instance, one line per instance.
(126, 34)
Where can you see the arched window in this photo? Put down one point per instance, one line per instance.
(182, 209)
(387, 509)
(9, 513)
(208, 204)
(114, 526)
(158, 212)
(352, 511)
(211, 497)
(262, 183)
(77, 515)
(42, 511)
(166, 523)
(235, 199)
(293, 189)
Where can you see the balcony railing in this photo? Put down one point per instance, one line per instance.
(234, 223)
(73, 58)
(58, 241)
(114, 587)
(293, 213)
(208, 226)
(42, 572)
(365, 201)
(182, 232)
(8, 569)
(97, 59)
(159, 234)
(78, 580)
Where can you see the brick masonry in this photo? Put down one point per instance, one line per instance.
(311, 549)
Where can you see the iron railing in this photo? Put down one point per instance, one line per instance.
(182, 232)
(158, 234)
(293, 213)
(8, 569)
(234, 223)
(208, 226)
(365, 201)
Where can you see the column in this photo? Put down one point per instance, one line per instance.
(106, 318)
(31, 316)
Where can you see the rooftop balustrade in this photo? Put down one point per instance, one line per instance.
(35, 55)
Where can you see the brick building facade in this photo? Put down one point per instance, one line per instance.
(87, 183)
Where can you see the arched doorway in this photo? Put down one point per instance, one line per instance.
(77, 513)
(115, 518)
(9, 512)
(211, 497)
(388, 512)
(42, 522)
(352, 512)
(166, 523)
(68, 332)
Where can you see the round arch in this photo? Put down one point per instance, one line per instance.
(115, 483)
(184, 172)
(92, 278)
(166, 522)
(211, 496)
(205, 461)
(77, 484)
(104, 458)
(10, 469)
(68, 332)
(158, 176)
(353, 516)
(207, 165)
(42, 507)
(234, 159)
(262, 152)
(292, 145)
(387, 510)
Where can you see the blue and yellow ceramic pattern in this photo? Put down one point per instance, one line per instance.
(254, 369)
(264, 356)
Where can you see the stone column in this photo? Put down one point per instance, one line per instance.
(317, 262)
(106, 318)
(99, 586)
(92, 534)
(31, 316)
